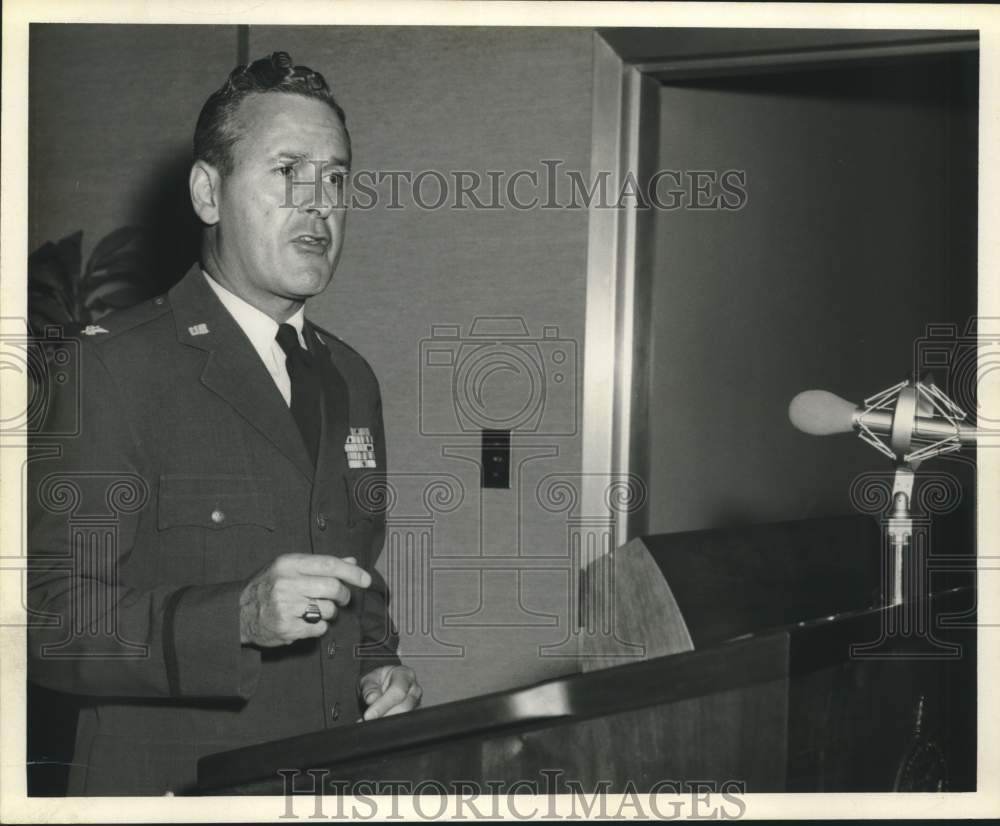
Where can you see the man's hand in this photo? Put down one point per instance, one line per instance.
(390, 689)
(273, 601)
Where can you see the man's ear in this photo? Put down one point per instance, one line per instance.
(203, 182)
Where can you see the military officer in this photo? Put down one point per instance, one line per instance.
(203, 553)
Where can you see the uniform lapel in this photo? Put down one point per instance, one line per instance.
(233, 369)
(332, 460)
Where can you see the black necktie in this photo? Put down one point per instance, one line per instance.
(306, 388)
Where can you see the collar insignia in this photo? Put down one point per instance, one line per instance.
(93, 330)
(198, 330)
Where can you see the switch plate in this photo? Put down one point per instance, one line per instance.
(496, 459)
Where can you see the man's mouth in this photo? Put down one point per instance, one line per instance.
(314, 243)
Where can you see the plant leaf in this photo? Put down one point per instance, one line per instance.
(115, 294)
(40, 295)
(38, 287)
(57, 264)
(112, 245)
(53, 270)
(131, 265)
(43, 310)
(70, 253)
(44, 266)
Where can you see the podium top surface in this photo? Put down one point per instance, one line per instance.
(727, 582)
(778, 654)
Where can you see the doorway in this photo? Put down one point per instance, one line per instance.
(847, 232)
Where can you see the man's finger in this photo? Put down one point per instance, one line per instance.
(371, 687)
(397, 691)
(390, 698)
(323, 565)
(308, 629)
(321, 587)
(410, 702)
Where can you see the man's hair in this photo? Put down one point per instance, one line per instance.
(217, 132)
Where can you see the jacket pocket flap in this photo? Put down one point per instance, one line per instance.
(215, 502)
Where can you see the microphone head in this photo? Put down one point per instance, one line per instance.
(820, 413)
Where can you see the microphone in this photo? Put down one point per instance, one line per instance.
(919, 422)
(820, 413)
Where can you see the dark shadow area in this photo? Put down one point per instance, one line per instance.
(950, 79)
(173, 231)
(851, 266)
(51, 726)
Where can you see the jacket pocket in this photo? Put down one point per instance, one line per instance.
(214, 502)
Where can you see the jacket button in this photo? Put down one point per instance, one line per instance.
(158, 301)
(218, 517)
(335, 711)
(331, 649)
(321, 521)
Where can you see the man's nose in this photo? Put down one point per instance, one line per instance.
(319, 205)
(317, 197)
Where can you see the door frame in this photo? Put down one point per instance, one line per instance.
(624, 141)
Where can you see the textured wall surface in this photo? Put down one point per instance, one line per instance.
(111, 113)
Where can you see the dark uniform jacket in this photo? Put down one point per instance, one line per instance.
(188, 476)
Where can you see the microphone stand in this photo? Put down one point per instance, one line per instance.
(907, 400)
(900, 534)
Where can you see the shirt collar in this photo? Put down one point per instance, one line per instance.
(258, 326)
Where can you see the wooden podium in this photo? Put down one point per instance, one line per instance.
(778, 675)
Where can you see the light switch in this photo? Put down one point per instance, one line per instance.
(496, 459)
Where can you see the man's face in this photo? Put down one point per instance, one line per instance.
(277, 243)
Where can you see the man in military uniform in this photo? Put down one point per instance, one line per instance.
(233, 597)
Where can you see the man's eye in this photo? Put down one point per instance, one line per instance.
(285, 170)
(338, 178)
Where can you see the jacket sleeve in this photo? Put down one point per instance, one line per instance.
(379, 637)
(90, 631)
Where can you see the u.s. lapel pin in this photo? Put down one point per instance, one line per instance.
(198, 330)
(360, 448)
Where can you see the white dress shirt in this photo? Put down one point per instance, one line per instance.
(261, 329)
